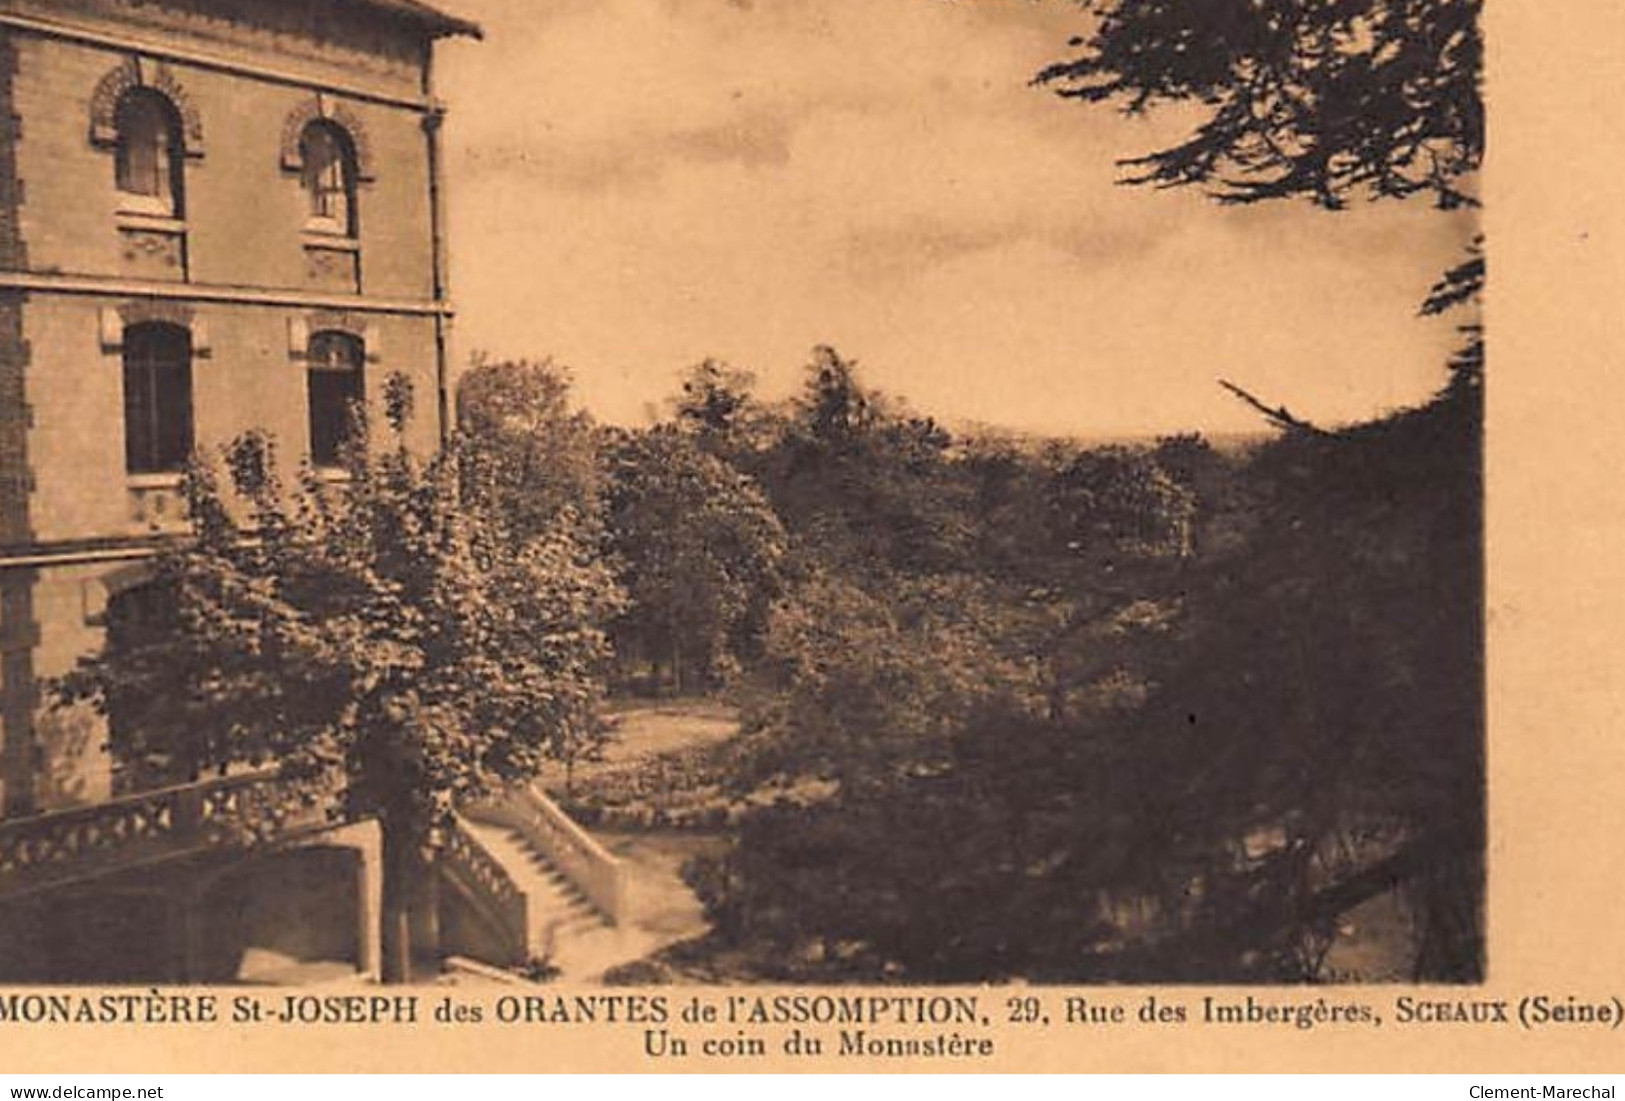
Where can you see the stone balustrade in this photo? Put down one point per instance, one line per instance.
(482, 877)
(575, 853)
(47, 850)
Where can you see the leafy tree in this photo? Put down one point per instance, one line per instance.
(875, 680)
(861, 481)
(1461, 287)
(526, 452)
(378, 632)
(1263, 677)
(834, 408)
(718, 408)
(699, 548)
(1186, 457)
(1113, 503)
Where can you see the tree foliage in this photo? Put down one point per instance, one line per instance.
(1463, 286)
(526, 453)
(860, 479)
(699, 549)
(717, 407)
(1156, 765)
(1322, 99)
(377, 630)
(1285, 725)
(1223, 704)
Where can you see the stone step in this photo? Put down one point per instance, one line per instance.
(559, 913)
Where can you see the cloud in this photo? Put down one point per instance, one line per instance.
(639, 162)
(643, 80)
(638, 184)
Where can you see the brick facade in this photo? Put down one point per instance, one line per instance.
(235, 265)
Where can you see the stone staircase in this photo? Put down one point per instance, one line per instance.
(564, 929)
(579, 908)
(546, 890)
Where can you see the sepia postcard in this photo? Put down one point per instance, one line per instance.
(833, 535)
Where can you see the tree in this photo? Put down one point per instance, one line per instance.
(861, 480)
(1323, 99)
(699, 548)
(718, 408)
(1461, 287)
(1336, 672)
(378, 632)
(1328, 101)
(525, 451)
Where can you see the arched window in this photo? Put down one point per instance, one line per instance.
(329, 176)
(336, 363)
(157, 398)
(150, 155)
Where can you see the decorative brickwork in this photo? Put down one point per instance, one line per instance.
(19, 633)
(341, 114)
(138, 72)
(16, 480)
(13, 256)
(114, 322)
(145, 310)
(300, 330)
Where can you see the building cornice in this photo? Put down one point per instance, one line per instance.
(168, 51)
(98, 287)
(437, 22)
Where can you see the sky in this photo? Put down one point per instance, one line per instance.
(638, 185)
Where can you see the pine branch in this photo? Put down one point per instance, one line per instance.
(1278, 415)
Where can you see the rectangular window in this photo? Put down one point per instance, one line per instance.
(337, 387)
(157, 398)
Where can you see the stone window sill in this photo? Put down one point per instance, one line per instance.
(164, 479)
(151, 223)
(131, 203)
(324, 239)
